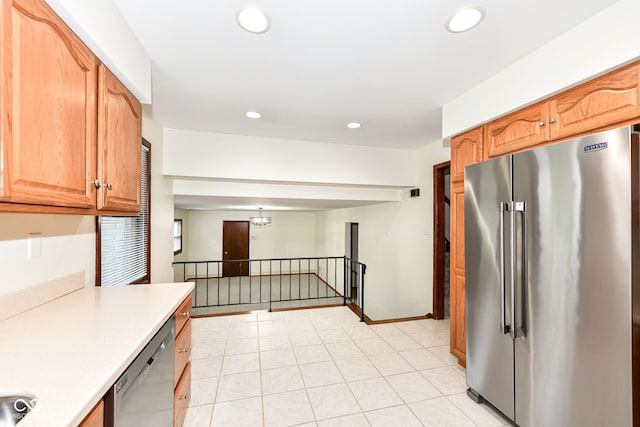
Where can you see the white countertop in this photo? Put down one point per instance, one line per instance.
(68, 352)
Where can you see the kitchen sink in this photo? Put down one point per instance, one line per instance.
(14, 408)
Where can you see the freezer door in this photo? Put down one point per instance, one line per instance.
(489, 346)
(573, 364)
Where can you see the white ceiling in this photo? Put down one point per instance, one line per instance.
(388, 64)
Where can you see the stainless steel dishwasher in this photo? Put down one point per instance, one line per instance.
(143, 395)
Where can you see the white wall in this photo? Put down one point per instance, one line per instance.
(68, 246)
(599, 44)
(161, 208)
(104, 30)
(395, 242)
(237, 157)
(291, 234)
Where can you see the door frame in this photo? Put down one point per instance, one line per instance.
(439, 243)
(351, 251)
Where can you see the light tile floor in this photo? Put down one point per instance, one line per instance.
(322, 367)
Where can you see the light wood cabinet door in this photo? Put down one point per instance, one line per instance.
(517, 131)
(183, 351)
(466, 149)
(457, 321)
(607, 100)
(48, 109)
(119, 145)
(457, 290)
(95, 417)
(181, 396)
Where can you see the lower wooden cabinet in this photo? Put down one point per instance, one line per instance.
(456, 281)
(95, 417)
(458, 346)
(181, 396)
(182, 365)
(183, 350)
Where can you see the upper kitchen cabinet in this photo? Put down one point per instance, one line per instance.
(119, 144)
(48, 107)
(71, 133)
(517, 131)
(465, 150)
(603, 102)
(607, 100)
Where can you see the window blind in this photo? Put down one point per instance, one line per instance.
(124, 240)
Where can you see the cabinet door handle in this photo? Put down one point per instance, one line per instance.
(540, 123)
(183, 396)
(109, 186)
(186, 314)
(552, 120)
(184, 350)
(96, 183)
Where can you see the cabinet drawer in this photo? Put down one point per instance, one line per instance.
(181, 397)
(183, 313)
(183, 350)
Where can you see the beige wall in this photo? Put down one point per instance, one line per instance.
(395, 242)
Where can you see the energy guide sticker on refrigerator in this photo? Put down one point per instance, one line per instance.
(552, 282)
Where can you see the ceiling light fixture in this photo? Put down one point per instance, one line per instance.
(354, 125)
(465, 20)
(260, 221)
(253, 20)
(253, 114)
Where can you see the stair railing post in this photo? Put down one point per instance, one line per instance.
(364, 271)
(344, 283)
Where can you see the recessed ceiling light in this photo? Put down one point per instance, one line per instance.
(465, 20)
(253, 114)
(253, 20)
(353, 125)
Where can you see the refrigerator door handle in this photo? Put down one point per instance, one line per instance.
(518, 330)
(514, 262)
(504, 328)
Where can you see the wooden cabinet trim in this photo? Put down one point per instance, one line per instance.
(95, 418)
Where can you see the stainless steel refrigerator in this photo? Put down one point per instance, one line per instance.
(552, 282)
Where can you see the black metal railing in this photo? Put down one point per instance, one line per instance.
(273, 283)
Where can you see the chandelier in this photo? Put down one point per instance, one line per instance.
(260, 221)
